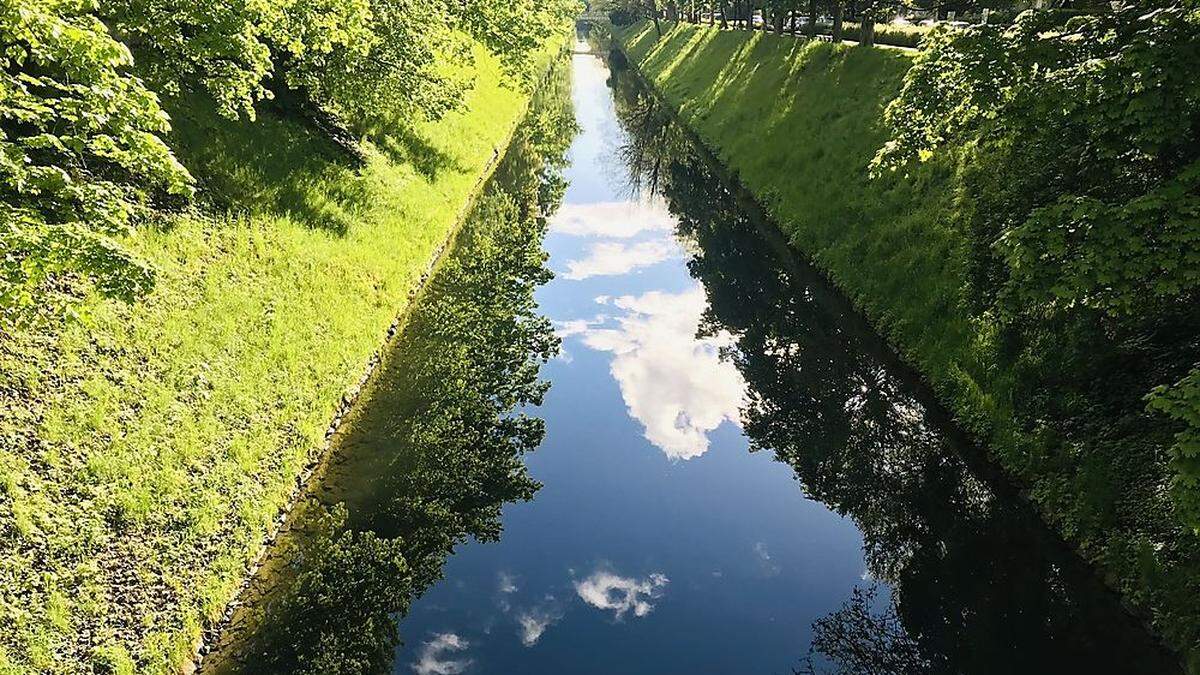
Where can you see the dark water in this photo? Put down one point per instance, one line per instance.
(645, 534)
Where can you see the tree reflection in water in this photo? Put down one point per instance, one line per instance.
(975, 581)
(436, 447)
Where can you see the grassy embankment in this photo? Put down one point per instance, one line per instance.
(799, 122)
(147, 452)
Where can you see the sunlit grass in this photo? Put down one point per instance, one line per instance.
(146, 453)
(799, 122)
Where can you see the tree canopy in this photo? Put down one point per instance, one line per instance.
(81, 153)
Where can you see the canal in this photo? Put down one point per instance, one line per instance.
(683, 453)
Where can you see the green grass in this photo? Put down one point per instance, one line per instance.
(798, 122)
(145, 453)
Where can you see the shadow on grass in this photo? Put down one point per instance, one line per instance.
(403, 145)
(268, 166)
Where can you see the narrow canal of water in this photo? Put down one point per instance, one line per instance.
(645, 534)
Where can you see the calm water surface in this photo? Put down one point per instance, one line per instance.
(735, 475)
(657, 542)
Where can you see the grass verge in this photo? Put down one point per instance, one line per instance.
(146, 451)
(798, 122)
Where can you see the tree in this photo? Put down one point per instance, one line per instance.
(229, 48)
(1083, 177)
(406, 67)
(638, 9)
(82, 157)
(866, 19)
(513, 29)
(370, 62)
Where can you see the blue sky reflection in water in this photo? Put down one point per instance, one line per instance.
(657, 542)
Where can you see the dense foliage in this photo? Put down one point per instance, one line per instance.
(1082, 173)
(230, 47)
(365, 60)
(84, 155)
(81, 154)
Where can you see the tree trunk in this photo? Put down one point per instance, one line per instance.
(724, 14)
(812, 19)
(867, 21)
(839, 10)
(297, 105)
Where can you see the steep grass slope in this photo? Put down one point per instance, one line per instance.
(799, 122)
(145, 452)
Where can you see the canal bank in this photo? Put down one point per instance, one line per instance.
(642, 536)
(149, 449)
(799, 124)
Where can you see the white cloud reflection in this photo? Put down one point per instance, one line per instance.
(608, 591)
(535, 621)
(506, 582)
(434, 656)
(619, 220)
(766, 563)
(675, 385)
(608, 258)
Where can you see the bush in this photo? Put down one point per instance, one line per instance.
(885, 33)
